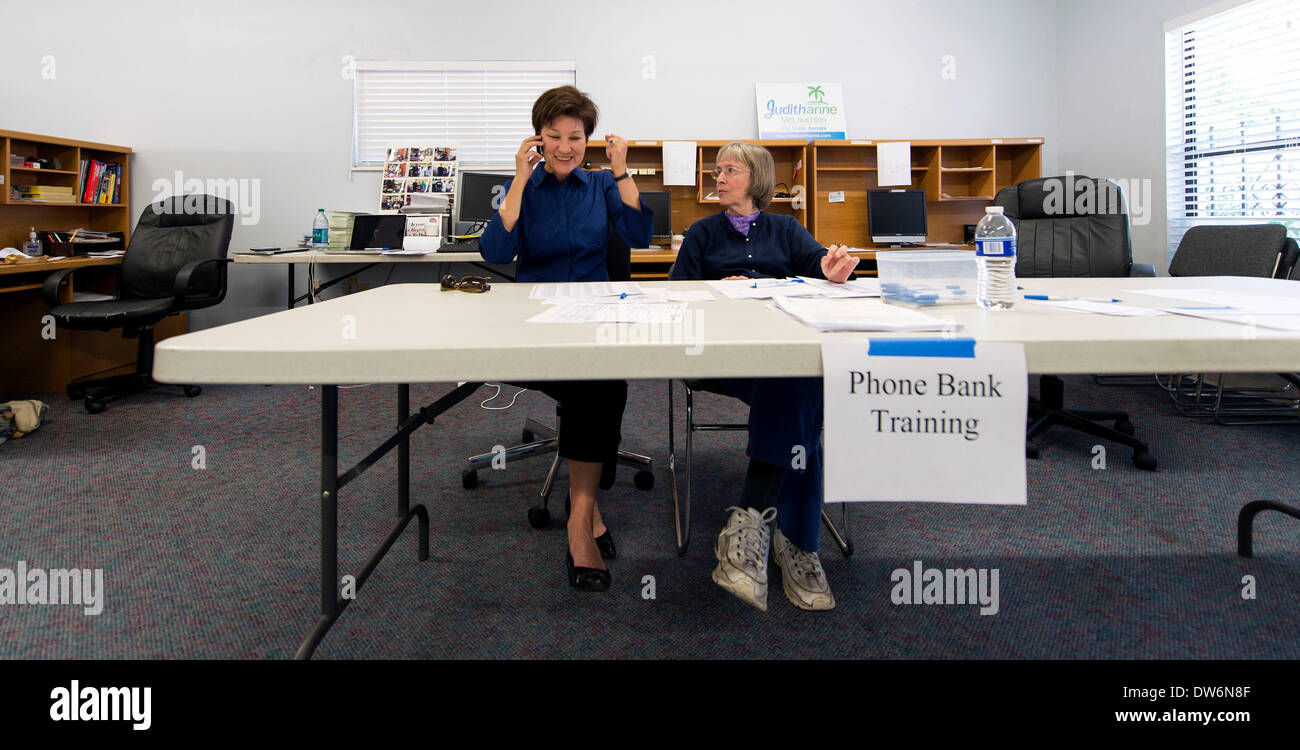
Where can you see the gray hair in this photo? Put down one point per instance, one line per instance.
(762, 169)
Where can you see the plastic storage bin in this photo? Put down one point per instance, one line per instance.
(922, 278)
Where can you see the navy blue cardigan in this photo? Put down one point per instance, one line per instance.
(777, 246)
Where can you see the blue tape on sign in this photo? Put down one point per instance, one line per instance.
(922, 348)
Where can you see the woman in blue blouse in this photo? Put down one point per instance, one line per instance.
(555, 220)
(785, 415)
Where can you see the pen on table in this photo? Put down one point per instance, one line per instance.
(1047, 298)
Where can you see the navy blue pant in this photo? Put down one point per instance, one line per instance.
(785, 428)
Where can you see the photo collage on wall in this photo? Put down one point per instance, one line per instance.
(417, 170)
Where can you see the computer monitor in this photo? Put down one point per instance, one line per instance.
(661, 205)
(479, 194)
(896, 216)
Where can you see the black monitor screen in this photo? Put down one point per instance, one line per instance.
(378, 230)
(479, 195)
(660, 203)
(897, 214)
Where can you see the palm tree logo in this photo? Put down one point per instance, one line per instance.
(815, 92)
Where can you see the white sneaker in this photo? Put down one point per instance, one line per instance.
(741, 550)
(802, 576)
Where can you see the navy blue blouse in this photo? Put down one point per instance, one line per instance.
(563, 226)
(777, 246)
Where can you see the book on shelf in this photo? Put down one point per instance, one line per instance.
(42, 193)
(100, 182)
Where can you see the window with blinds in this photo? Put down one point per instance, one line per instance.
(485, 107)
(1232, 105)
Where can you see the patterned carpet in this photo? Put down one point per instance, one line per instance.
(221, 562)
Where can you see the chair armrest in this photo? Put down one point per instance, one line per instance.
(1143, 270)
(50, 289)
(181, 290)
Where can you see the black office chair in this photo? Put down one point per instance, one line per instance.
(1054, 239)
(539, 439)
(176, 262)
(1258, 250)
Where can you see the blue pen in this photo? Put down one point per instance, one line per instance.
(623, 295)
(1047, 298)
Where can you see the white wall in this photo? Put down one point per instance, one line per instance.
(1111, 68)
(252, 90)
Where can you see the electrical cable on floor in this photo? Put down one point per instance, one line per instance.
(498, 386)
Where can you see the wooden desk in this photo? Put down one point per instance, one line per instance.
(36, 364)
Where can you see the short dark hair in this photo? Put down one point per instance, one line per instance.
(564, 101)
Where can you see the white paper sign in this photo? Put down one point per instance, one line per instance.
(679, 162)
(894, 162)
(924, 420)
(799, 110)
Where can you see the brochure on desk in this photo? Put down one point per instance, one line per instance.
(417, 170)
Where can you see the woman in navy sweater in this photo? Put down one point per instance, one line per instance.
(785, 415)
(556, 219)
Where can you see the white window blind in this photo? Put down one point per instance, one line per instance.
(485, 107)
(1232, 106)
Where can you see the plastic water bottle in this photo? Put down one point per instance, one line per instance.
(995, 252)
(320, 229)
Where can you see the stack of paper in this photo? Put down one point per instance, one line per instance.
(860, 315)
(341, 229)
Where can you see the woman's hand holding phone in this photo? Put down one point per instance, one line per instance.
(526, 158)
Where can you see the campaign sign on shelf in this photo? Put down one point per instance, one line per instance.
(924, 420)
(800, 110)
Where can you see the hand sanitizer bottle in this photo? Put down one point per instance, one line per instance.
(32, 246)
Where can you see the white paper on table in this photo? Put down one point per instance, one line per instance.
(861, 315)
(894, 163)
(1260, 304)
(9, 251)
(645, 296)
(594, 312)
(763, 288)
(1101, 308)
(408, 252)
(693, 295)
(1241, 317)
(964, 414)
(852, 288)
(584, 289)
(679, 162)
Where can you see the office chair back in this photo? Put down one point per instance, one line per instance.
(618, 256)
(1069, 226)
(1252, 250)
(172, 232)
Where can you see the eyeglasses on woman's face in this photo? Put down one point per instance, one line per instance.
(729, 171)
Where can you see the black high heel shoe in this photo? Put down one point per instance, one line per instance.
(586, 579)
(604, 542)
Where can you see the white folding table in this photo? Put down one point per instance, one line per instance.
(414, 333)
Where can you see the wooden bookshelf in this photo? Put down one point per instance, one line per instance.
(690, 203)
(34, 364)
(960, 178)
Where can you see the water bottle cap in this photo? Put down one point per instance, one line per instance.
(993, 210)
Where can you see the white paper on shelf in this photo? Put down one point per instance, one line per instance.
(679, 162)
(852, 288)
(860, 315)
(894, 163)
(764, 288)
(584, 289)
(1276, 321)
(594, 312)
(1101, 308)
(1259, 304)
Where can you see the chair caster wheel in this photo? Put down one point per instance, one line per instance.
(527, 436)
(76, 392)
(1031, 451)
(192, 390)
(93, 406)
(644, 480)
(1144, 460)
(469, 479)
(1125, 426)
(538, 518)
